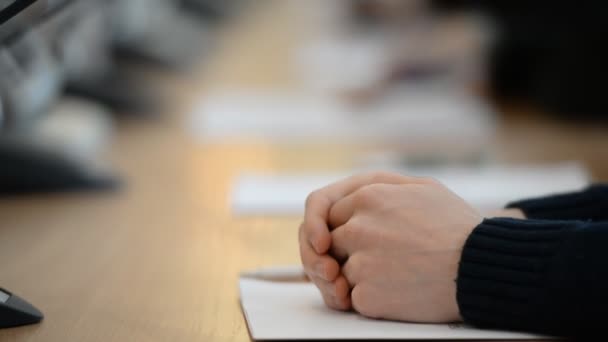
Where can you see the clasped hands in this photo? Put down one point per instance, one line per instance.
(387, 246)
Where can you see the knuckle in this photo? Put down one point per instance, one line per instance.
(307, 260)
(353, 268)
(356, 262)
(302, 253)
(321, 285)
(304, 236)
(363, 303)
(366, 195)
(329, 300)
(357, 297)
(305, 255)
(342, 236)
(342, 288)
(313, 197)
(332, 268)
(352, 230)
(305, 231)
(381, 176)
(302, 232)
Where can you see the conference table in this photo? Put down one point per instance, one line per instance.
(158, 258)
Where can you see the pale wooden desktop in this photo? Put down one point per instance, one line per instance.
(158, 260)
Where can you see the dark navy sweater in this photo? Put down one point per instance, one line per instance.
(546, 274)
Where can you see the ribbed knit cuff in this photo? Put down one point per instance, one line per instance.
(501, 281)
(589, 204)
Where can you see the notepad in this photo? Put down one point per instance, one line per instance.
(486, 188)
(295, 311)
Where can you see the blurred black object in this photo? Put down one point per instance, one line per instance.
(15, 311)
(119, 93)
(548, 53)
(27, 170)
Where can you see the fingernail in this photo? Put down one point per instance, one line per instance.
(333, 293)
(320, 270)
(314, 245)
(338, 301)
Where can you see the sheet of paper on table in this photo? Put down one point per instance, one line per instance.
(295, 311)
(404, 117)
(487, 188)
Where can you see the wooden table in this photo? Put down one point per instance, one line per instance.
(158, 260)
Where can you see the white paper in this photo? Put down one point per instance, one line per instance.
(295, 311)
(485, 188)
(403, 116)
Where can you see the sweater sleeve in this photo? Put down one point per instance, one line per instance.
(588, 204)
(548, 277)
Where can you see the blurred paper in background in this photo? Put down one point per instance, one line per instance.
(487, 187)
(405, 115)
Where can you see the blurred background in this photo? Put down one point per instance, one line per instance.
(403, 81)
(131, 118)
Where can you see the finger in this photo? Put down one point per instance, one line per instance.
(342, 293)
(347, 239)
(322, 266)
(336, 294)
(319, 202)
(328, 292)
(343, 208)
(342, 211)
(339, 250)
(351, 270)
(314, 227)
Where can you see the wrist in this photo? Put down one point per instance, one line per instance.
(455, 315)
(515, 213)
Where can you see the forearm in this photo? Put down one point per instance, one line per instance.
(590, 204)
(532, 275)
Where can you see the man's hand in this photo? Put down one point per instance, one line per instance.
(400, 243)
(511, 213)
(315, 238)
